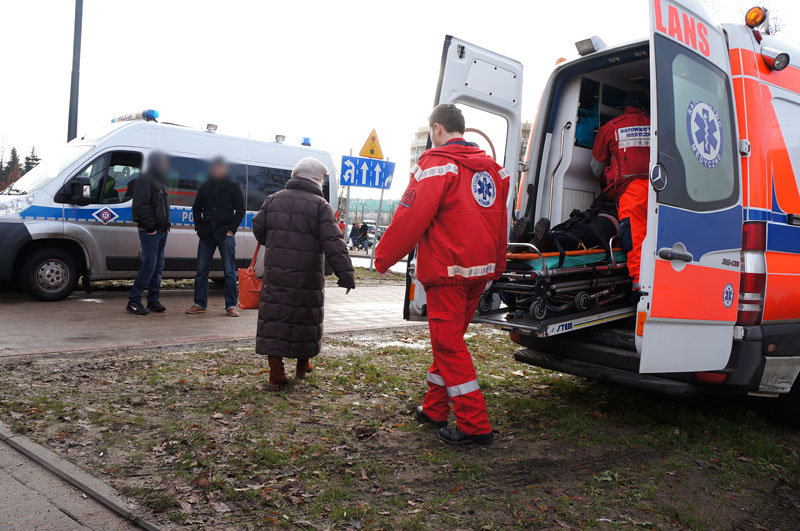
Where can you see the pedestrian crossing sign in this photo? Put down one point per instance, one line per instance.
(372, 148)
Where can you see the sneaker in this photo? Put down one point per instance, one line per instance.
(136, 308)
(457, 437)
(232, 312)
(196, 309)
(156, 307)
(421, 417)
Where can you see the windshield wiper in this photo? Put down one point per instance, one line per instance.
(17, 191)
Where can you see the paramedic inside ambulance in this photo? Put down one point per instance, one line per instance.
(620, 160)
(455, 209)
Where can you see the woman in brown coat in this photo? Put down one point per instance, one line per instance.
(297, 228)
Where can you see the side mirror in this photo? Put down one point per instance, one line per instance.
(80, 191)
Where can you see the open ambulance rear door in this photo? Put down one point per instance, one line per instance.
(488, 89)
(690, 259)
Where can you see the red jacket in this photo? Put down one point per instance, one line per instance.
(455, 208)
(624, 145)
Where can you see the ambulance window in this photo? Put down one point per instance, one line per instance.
(696, 141)
(184, 178)
(123, 170)
(494, 126)
(263, 181)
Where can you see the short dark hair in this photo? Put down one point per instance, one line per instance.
(448, 116)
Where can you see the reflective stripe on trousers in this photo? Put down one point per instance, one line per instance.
(454, 390)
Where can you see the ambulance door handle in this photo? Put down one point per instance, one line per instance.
(671, 254)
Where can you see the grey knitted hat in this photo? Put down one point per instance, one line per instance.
(310, 168)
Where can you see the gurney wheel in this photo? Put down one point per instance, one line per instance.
(583, 301)
(485, 302)
(538, 309)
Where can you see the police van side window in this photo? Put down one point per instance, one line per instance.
(123, 170)
(697, 144)
(263, 181)
(94, 171)
(184, 178)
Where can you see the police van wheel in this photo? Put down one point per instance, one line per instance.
(50, 274)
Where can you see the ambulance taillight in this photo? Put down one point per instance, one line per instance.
(754, 273)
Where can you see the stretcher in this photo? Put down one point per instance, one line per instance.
(553, 293)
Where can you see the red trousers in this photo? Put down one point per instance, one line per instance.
(632, 204)
(452, 375)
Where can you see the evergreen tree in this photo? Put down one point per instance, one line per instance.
(11, 166)
(31, 161)
(13, 176)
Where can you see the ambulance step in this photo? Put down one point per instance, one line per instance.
(585, 369)
(556, 325)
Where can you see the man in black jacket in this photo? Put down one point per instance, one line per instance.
(151, 214)
(218, 210)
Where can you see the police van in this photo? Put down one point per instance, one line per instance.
(70, 217)
(720, 273)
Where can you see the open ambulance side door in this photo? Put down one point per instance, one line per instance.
(484, 81)
(690, 258)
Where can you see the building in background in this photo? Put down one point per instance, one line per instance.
(418, 145)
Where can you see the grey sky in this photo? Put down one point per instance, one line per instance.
(328, 70)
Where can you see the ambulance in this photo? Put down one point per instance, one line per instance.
(70, 217)
(720, 274)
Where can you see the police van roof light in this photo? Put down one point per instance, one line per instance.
(306, 141)
(774, 59)
(211, 128)
(148, 115)
(591, 45)
(755, 17)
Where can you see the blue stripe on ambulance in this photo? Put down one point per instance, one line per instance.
(678, 225)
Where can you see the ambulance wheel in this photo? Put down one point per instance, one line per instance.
(485, 302)
(538, 309)
(583, 301)
(50, 274)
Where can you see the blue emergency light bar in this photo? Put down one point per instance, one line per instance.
(306, 141)
(148, 115)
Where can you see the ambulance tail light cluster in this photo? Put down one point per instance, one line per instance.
(754, 273)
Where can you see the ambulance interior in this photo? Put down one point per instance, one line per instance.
(544, 290)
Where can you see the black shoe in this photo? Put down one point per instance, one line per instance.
(422, 417)
(136, 308)
(457, 437)
(156, 307)
(541, 235)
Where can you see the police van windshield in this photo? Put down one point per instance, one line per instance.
(53, 163)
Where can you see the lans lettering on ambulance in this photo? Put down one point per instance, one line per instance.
(699, 126)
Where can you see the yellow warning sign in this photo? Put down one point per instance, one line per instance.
(372, 148)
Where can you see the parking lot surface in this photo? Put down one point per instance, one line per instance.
(98, 321)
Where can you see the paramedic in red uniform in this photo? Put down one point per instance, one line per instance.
(620, 160)
(455, 209)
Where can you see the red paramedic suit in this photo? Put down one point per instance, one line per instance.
(623, 144)
(455, 209)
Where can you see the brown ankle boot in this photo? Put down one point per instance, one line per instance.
(303, 367)
(277, 375)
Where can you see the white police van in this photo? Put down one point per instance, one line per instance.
(70, 217)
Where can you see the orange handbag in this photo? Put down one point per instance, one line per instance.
(249, 284)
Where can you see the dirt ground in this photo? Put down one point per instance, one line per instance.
(193, 436)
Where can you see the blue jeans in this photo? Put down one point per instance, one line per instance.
(149, 275)
(205, 253)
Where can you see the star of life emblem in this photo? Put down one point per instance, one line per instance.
(705, 132)
(483, 189)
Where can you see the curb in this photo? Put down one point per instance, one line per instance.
(73, 475)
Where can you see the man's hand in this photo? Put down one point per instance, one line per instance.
(229, 233)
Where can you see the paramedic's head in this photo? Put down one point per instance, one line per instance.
(158, 164)
(445, 123)
(311, 168)
(637, 99)
(218, 169)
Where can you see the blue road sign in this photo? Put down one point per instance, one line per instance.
(367, 173)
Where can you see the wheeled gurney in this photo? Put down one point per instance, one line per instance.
(550, 293)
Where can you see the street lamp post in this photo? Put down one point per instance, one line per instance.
(72, 123)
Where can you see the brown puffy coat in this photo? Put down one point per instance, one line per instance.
(298, 230)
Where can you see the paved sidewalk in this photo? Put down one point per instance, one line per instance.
(98, 321)
(33, 498)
